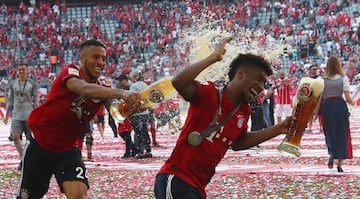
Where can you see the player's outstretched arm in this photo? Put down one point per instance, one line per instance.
(256, 137)
(95, 91)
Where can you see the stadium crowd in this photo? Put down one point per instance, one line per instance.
(47, 36)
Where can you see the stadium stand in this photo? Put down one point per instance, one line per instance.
(142, 34)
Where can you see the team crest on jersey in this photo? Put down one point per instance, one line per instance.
(240, 122)
(73, 71)
(305, 92)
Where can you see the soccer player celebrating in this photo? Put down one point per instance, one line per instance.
(58, 124)
(191, 166)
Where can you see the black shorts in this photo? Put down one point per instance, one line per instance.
(170, 186)
(39, 165)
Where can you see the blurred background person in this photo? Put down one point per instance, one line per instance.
(125, 128)
(152, 128)
(111, 121)
(335, 113)
(89, 140)
(266, 99)
(140, 120)
(313, 73)
(99, 118)
(257, 115)
(22, 99)
(283, 103)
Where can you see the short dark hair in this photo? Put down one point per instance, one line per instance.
(249, 60)
(91, 42)
(123, 77)
(23, 64)
(312, 66)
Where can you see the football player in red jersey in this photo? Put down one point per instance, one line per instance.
(57, 125)
(190, 167)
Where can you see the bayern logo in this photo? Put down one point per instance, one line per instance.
(240, 122)
(305, 92)
(156, 96)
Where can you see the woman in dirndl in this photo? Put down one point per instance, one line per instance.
(334, 113)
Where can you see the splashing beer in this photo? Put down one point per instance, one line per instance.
(307, 96)
(203, 38)
(157, 92)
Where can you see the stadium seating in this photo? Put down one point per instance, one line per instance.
(111, 20)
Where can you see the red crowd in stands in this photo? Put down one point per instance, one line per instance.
(144, 34)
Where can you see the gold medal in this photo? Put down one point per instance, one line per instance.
(194, 138)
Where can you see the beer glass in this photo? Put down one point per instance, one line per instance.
(307, 96)
(155, 93)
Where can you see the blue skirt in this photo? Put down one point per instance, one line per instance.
(335, 121)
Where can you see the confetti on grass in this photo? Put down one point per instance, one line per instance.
(107, 184)
(254, 173)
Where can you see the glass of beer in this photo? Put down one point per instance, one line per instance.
(307, 96)
(155, 93)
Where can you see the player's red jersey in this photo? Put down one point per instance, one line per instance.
(196, 164)
(58, 124)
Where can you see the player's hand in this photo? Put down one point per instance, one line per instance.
(5, 120)
(285, 125)
(133, 99)
(220, 48)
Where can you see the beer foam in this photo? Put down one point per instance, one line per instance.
(204, 36)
